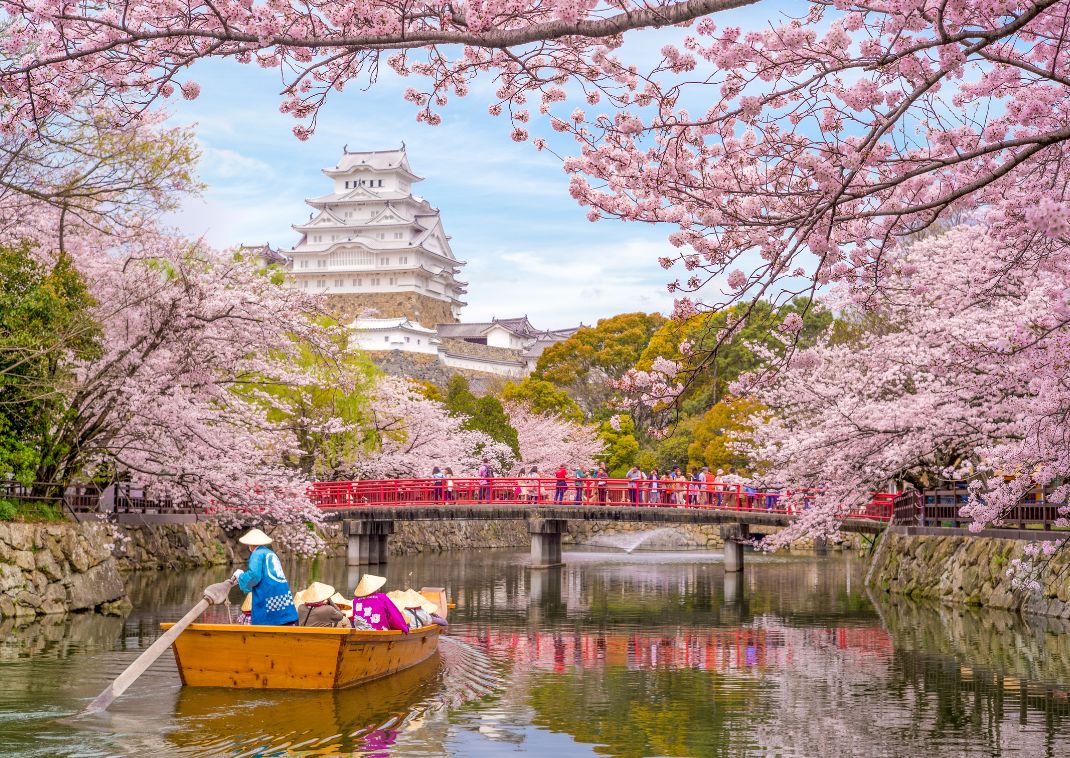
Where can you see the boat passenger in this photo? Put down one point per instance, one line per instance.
(315, 608)
(245, 617)
(273, 603)
(414, 606)
(374, 607)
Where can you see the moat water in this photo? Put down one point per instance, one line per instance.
(640, 654)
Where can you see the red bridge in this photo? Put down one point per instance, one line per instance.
(369, 508)
(662, 493)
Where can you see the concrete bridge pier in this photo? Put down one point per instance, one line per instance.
(734, 536)
(368, 541)
(546, 541)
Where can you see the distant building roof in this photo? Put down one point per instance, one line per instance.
(521, 327)
(381, 324)
(269, 254)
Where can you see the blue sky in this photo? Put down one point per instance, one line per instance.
(529, 247)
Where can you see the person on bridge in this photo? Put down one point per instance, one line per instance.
(485, 473)
(634, 475)
(273, 603)
(655, 486)
(561, 483)
(603, 484)
(578, 479)
(438, 477)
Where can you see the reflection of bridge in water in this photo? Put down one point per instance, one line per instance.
(744, 648)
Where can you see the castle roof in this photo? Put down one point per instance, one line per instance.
(376, 160)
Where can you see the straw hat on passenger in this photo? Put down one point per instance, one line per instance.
(317, 592)
(254, 537)
(410, 598)
(247, 603)
(368, 584)
(341, 602)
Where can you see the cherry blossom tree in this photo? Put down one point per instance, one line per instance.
(179, 394)
(548, 440)
(412, 433)
(786, 158)
(958, 369)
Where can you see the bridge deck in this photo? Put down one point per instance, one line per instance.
(629, 513)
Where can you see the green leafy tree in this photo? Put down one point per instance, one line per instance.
(331, 418)
(709, 383)
(484, 414)
(715, 432)
(44, 322)
(586, 364)
(542, 397)
(621, 445)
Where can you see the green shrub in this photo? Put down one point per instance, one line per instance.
(8, 510)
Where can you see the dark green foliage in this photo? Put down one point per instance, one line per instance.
(484, 414)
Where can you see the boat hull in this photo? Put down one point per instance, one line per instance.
(288, 657)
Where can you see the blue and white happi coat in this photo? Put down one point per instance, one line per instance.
(273, 603)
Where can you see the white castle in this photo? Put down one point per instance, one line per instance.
(381, 256)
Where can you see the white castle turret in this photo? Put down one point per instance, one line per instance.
(371, 243)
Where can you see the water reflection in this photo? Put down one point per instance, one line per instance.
(642, 654)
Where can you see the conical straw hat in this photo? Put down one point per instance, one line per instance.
(247, 603)
(368, 584)
(317, 592)
(416, 600)
(254, 537)
(341, 602)
(410, 598)
(397, 597)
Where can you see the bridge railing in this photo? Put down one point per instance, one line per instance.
(659, 493)
(942, 508)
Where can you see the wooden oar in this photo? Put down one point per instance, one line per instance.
(213, 595)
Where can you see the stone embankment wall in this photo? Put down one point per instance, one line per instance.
(438, 536)
(55, 568)
(174, 546)
(967, 570)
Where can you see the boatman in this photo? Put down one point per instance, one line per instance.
(273, 603)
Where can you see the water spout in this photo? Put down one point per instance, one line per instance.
(628, 541)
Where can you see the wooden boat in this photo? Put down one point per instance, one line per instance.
(301, 658)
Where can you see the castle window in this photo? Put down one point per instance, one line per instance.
(304, 264)
(417, 342)
(403, 259)
(406, 339)
(398, 235)
(356, 282)
(386, 338)
(338, 282)
(380, 182)
(347, 185)
(321, 283)
(393, 280)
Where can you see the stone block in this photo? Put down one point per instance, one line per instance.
(24, 560)
(98, 585)
(45, 562)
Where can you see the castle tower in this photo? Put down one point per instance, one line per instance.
(372, 244)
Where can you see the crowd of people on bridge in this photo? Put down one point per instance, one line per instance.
(594, 486)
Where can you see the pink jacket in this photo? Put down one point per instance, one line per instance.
(379, 611)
